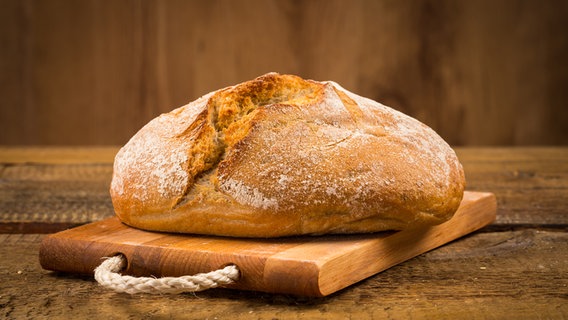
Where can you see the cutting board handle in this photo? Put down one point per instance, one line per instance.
(107, 274)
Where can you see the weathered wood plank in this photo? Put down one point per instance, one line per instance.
(62, 187)
(56, 196)
(48, 189)
(514, 274)
(531, 184)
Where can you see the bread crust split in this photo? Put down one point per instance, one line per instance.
(282, 156)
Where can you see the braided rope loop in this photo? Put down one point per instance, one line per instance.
(107, 275)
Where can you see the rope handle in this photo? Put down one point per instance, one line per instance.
(107, 274)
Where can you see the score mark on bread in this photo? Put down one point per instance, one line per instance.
(280, 156)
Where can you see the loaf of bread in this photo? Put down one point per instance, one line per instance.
(280, 156)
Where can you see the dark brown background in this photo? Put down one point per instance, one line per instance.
(93, 72)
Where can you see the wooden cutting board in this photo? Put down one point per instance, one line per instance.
(308, 265)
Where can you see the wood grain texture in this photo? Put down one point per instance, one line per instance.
(55, 196)
(530, 183)
(305, 266)
(498, 275)
(93, 72)
(45, 190)
(517, 268)
(51, 189)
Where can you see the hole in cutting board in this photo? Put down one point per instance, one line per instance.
(126, 265)
(233, 264)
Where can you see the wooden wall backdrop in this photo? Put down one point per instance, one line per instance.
(484, 72)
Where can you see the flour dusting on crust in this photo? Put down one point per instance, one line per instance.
(153, 160)
(279, 155)
(411, 132)
(247, 195)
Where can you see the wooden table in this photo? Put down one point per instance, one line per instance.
(517, 268)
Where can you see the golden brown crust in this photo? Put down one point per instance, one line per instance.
(279, 156)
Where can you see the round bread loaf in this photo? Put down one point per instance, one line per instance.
(281, 156)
